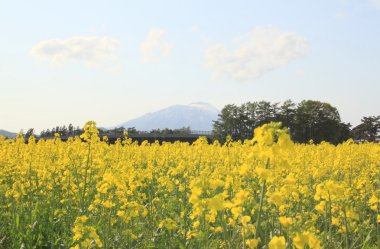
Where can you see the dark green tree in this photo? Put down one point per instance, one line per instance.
(63, 131)
(70, 129)
(368, 129)
(240, 121)
(287, 113)
(252, 120)
(227, 123)
(318, 121)
(266, 112)
(308, 120)
(29, 133)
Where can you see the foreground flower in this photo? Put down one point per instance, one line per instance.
(252, 243)
(277, 243)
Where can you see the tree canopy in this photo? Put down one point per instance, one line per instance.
(368, 129)
(307, 120)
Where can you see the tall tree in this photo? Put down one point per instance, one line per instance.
(318, 121)
(266, 112)
(29, 133)
(252, 121)
(63, 131)
(240, 121)
(308, 120)
(227, 123)
(70, 129)
(286, 115)
(368, 129)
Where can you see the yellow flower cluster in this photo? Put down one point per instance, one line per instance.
(85, 236)
(266, 192)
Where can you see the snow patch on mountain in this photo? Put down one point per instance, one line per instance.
(197, 116)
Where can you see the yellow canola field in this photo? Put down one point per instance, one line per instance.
(266, 192)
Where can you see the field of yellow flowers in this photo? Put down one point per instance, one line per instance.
(261, 193)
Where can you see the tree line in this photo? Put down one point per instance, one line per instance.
(133, 130)
(307, 120)
(71, 131)
(63, 130)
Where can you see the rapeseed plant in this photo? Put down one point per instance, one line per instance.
(266, 192)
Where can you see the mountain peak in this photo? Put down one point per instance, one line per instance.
(197, 116)
(205, 106)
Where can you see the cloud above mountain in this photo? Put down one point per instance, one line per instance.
(89, 50)
(155, 46)
(255, 54)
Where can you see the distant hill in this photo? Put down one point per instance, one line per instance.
(8, 134)
(197, 116)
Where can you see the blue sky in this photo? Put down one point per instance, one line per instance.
(111, 61)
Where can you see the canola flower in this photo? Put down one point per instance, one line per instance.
(266, 192)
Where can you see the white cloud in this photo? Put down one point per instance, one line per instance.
(155, 46)
(376, 3)
(89, 50)
(257, 53)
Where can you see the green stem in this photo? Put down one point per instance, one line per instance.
(261, 204)
(260, 209)
(85, 179)
(347, 232)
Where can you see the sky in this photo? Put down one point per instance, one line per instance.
(111, 61)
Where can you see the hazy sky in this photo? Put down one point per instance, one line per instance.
(111, 61)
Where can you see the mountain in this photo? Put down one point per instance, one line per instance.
(197, 116)
(8, 134)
